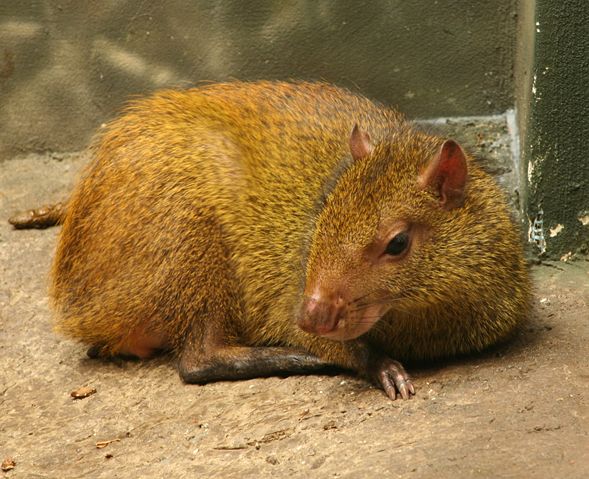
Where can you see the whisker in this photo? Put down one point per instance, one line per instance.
(355, 300)
(383, 300)
(367, 319)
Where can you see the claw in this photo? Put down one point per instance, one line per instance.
(393, 378)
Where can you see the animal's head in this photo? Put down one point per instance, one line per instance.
(387, 234)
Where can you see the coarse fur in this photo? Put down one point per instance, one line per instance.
(220, 205)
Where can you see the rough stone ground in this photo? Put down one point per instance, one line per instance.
(520, 410)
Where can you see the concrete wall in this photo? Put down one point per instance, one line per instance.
(67, 66)
(553, 106)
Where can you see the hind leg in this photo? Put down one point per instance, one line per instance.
(139, 344)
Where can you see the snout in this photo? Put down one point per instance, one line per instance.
(321, 314)
(335, 316)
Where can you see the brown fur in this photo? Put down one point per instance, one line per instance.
(216, 206)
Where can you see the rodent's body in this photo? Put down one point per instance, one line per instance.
(242, 163)
(199, 223)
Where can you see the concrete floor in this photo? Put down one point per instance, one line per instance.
(521, 410)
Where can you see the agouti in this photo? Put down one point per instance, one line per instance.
(271, 228)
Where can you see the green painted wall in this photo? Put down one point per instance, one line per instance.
(553, 103)
(66, 66)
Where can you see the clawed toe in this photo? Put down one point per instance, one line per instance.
(394, 379)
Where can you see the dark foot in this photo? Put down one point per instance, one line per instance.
(39, 218)
(232, 363)
(393, 378)
(94, 352)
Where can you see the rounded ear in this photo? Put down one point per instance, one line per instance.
(446, 175)
(360, 145)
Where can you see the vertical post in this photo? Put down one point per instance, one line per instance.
(553, 109)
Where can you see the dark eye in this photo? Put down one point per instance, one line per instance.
(398, 244)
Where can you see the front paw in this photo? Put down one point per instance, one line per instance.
(392, 377)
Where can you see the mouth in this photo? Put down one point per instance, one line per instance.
(352, 326)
